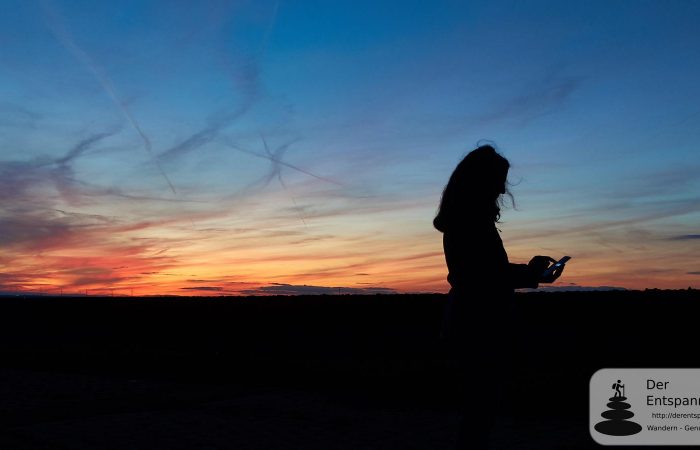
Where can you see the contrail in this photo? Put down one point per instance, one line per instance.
(60, 31)
(62, 174)
(276, 169)
(275, 159)
(245, 78)
(203, 136)
(270, 27)
(82, 146)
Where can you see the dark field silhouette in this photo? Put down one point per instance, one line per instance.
(325, 372)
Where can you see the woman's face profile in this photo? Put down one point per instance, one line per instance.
(500, 186)
(504, 180)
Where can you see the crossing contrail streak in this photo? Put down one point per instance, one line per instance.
(276, 169)
(62, 34)
(275, 159)
(244, 72)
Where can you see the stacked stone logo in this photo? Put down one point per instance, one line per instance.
(617, 423)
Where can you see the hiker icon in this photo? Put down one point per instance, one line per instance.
(617, 423)
(617, 387)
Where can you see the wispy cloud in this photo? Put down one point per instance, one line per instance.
(21, 181)
(38, 230)
(665, 181)
(574, 289)
(206, 134)
(594, 219)
(51, 236)
(16, 116)
(545, 97)
(243, 71)
(64, 36)
(203, 288)
(62, 174)
(290, 289)
(358, 156)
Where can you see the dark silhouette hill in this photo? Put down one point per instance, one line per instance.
(378, 354)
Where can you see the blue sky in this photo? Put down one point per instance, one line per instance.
(247, 145)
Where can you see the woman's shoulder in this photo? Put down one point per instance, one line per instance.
(468, 229)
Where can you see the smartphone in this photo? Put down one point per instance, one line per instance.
(555, 266)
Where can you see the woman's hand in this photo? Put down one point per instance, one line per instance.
(553, 276)
(539, 264)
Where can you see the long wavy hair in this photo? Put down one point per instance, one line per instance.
(473, 193)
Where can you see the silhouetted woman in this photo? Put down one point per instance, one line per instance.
(482, 282)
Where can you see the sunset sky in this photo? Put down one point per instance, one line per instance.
(261, 147)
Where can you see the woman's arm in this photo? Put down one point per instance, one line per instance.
(523, 276)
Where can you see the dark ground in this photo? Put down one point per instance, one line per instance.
(326, 372)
